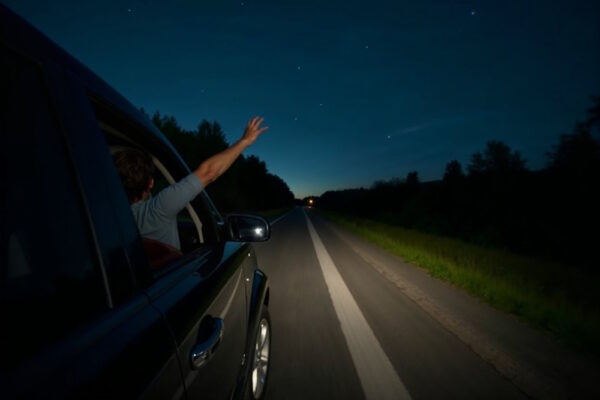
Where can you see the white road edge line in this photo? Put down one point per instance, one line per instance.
(377, 375)
(280, 217)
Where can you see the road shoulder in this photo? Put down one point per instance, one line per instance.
(533, 360)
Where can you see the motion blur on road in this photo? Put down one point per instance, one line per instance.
(351, 322)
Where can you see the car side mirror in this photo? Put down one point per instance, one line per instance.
(247, 228)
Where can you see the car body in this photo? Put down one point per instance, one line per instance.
(85, 312)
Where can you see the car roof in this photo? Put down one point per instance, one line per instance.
(23, 38)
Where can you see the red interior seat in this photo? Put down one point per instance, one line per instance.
(159, 253)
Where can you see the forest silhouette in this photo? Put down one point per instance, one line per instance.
(496, 201)
(552, 213)
(246, 186)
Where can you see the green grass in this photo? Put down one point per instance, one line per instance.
(549, 295)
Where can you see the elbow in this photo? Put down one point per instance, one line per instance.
(207, 175)
(209, 179)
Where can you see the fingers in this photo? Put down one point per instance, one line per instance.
(253, 129)
(255, 122)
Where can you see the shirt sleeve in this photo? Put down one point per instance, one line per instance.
(172, 199)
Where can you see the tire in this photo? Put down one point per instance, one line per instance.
(261, 358)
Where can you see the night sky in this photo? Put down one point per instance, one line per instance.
(352, 91)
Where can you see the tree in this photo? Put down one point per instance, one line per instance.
(477, 166)
(412, 180)
(212, 137)
(453, 172)
(497, 159)
(577, 154)
(593, 120)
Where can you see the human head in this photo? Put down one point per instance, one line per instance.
(136, 169)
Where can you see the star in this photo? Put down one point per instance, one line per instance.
(367, 46)
(295, 118)
(242, 3)
(320, 104)
(299, 68)
(129, 10)
(389, 137)
(473, 12)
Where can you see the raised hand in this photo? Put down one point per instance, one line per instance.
(253, 130)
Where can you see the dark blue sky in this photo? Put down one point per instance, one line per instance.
(352, 91)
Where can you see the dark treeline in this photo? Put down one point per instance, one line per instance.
(553, 213)
(247, 185)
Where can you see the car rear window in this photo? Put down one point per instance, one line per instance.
(49, 280)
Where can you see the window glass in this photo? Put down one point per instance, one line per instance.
(49, 280)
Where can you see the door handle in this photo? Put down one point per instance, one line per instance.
(202, 352)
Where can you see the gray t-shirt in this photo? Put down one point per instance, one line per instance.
(156, 217)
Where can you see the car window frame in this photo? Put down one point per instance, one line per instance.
(116, 121)
(76, 114)
(160, 167)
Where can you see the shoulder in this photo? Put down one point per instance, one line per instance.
(173, 198)
(188, 186)
(147, 211)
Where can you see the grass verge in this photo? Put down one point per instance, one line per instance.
(551, 296)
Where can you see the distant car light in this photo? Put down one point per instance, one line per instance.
(258, 232)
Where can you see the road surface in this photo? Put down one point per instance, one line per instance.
(353, 322)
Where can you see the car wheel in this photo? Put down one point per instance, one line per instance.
(261, 357)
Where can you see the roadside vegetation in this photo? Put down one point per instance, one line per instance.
(549, 295)
(551, 213)
(526, 241)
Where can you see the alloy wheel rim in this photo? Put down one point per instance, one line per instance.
(260, 363)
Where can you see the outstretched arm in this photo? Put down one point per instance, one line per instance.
(213, 167)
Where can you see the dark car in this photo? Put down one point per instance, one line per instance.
(89, 308)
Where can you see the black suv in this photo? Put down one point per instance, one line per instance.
(88, 308)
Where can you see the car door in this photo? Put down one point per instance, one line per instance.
(73, 323)
(202, 295)
(203, 299)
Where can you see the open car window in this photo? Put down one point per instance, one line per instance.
(195, 224)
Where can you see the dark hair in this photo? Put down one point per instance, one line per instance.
(135, 168)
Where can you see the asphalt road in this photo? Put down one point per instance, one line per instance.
(351, 322)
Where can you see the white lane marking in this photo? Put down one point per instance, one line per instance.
(281, 217)
(377, 375)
